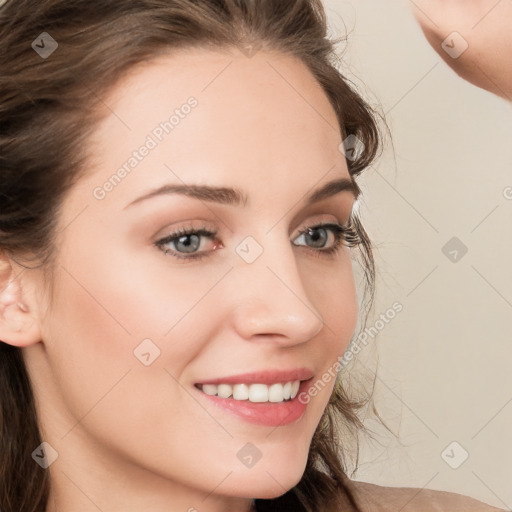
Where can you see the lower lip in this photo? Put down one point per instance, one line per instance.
(270, 414)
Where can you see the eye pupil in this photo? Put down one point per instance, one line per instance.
(190, 246)
(316, 235)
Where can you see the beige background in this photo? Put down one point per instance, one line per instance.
(444, 361)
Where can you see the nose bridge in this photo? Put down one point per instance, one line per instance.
(271, 297)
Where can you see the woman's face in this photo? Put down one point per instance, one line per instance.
(137, 321)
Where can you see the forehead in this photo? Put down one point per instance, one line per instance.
(261, 119)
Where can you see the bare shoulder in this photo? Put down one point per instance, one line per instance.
(377, 498)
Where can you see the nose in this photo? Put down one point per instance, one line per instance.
(270, 301)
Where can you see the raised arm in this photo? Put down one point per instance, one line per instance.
(474, 37)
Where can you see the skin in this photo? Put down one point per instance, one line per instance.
(130, 437)
(485, 26)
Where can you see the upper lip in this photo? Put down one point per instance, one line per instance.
(264, 377)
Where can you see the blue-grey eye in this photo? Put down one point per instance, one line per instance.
(318, 236)
(187, 243)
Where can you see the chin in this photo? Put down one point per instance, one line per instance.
(268, 483)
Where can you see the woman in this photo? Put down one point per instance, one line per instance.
(178, 191)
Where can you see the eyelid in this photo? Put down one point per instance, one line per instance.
(319, 220)
(191, 225)
(198, 224)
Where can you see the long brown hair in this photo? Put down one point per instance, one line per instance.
(48, 107)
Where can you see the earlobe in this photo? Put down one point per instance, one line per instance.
(18, 325)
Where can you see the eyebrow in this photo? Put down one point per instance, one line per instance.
(235, 197)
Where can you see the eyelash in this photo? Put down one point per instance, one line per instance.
(341, 233)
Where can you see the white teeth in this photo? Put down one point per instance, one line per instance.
(224, 390)
(256, 393)
(240, 391)
(275, 393)
(287, 390)
(210, 389)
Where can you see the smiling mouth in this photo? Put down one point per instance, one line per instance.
(256, 392)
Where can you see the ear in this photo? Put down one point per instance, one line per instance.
(19, 325)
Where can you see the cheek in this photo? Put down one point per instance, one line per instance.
(111, 316)
(125, 298)
(103, 390)
(89, 347)
(333, 292)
